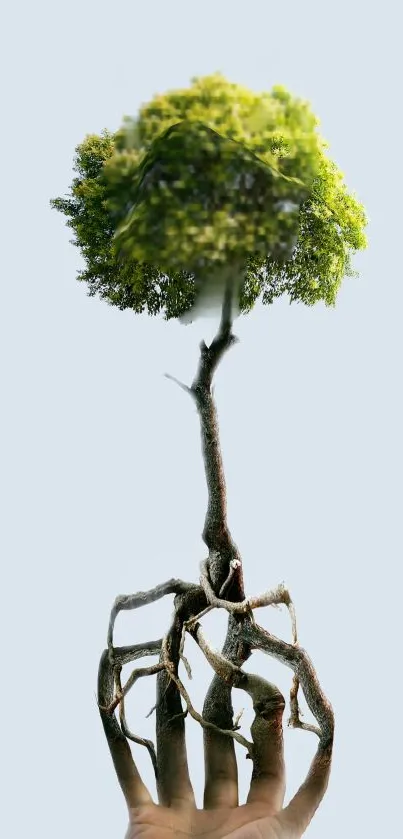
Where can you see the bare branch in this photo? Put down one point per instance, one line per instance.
(268, 598)
(298, 660)
(143, 598)
(189, 624)
(186, 665)
(295, 717)
(124, 655)
(181, 384)
(133, 678)
(141, 741)
(192, 711)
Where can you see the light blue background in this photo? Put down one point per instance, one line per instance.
(103, 480)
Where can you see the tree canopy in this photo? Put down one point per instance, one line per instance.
(212, 177)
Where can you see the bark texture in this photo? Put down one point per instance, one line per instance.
(220, 586)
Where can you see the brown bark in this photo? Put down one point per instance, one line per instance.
(221, 586)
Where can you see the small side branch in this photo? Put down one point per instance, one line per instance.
(141, 741)
(295, 716)
(180, 384)
(137, 674)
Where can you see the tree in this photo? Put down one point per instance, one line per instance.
(281, 131)
(214, 192)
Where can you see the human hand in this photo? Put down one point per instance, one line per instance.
(261, 817)
(245, 822)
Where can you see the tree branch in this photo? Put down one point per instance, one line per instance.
(171, 670)
(297, 660)
(143, 598)
(244, 607)
(141, 741)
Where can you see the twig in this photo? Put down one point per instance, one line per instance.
(134, 676)
(141, 741)
(296, 713)
(183, 386)
(189, 624)
(186, 665)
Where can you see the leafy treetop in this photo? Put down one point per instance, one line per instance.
(213, 175)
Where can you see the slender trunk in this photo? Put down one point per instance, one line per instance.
(223, 552)
(225, 564)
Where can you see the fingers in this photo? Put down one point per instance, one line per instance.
(296, 817)
(221, 771)
(135, 792)
(268, 776)
(173, 781)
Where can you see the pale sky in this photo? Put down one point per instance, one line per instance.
(104, 488)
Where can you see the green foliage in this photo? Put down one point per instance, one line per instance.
(203, 177)
(200, 199)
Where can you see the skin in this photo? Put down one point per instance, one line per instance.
(261, 817)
